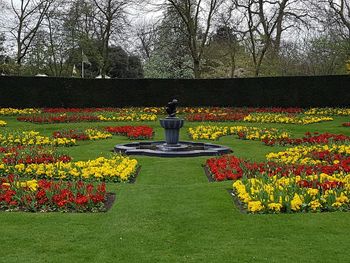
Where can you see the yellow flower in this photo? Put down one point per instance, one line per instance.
(342, 198)
(314, 205)
(296, 202)
(312, 192)
(32, 185)
(337, 204)
(255, 206)
(12, 111)
(275, 207)
(119, 167)
(251, 133)
(282, 118)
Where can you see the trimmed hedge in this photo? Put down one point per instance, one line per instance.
(314, 91)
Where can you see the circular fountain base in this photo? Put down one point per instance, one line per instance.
(182, 149)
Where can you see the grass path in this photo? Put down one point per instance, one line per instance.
(172, 214)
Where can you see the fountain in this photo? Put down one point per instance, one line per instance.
(172, 147)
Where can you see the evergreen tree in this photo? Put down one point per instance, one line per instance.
(121, 65)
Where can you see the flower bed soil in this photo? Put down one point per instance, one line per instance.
(110, 199)
(132, 180)
(236, 201)
(208, 174)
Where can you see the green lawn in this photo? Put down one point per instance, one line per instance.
(172, 214)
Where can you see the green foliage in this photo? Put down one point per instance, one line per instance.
(9, 68)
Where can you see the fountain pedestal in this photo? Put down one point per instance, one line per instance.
(172, 126)
(172, 147)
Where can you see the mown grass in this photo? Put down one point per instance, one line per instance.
(172, 214)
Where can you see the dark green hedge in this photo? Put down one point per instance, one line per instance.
(316, 91)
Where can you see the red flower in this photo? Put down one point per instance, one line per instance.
(133, 132)
(102, 188)
(89, 188)
(81, 200)
(13, 203)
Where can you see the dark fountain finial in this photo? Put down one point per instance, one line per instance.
(171, 108)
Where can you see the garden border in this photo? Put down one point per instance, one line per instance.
(133, 178)
(110, 200)
(208, 174)
(236, 201)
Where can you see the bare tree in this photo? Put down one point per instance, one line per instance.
(339, 12)
(227, 23)
(80, 31)
(197, 16)
(263, 23)
(29, 15)
(146, 33)
(111, 19)
(56, 44)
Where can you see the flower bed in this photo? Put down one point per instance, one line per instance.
(301, 179)
(78, 110)
(329, 111)
(181, 110)
(31, 154)
(132, 132)
(115, 169)
(127, 117)
(209, 132)
(245, 110)
(230, 167)
(81, 135)
(346, 124)
(63, 118)
(215, 117)
(225, 168)
(13, 112)
(49, 196)
(2, 123)
(315, 138)
(282, 118)
(14, 138)
(314, 193)
(230, 114)
(130, 110)
(312, 155)
(86, 117)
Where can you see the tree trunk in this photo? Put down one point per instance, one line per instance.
(18, 57)
(196, 69)
(257, 71)
(233, 63)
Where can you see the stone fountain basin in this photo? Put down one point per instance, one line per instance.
(182, 149)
